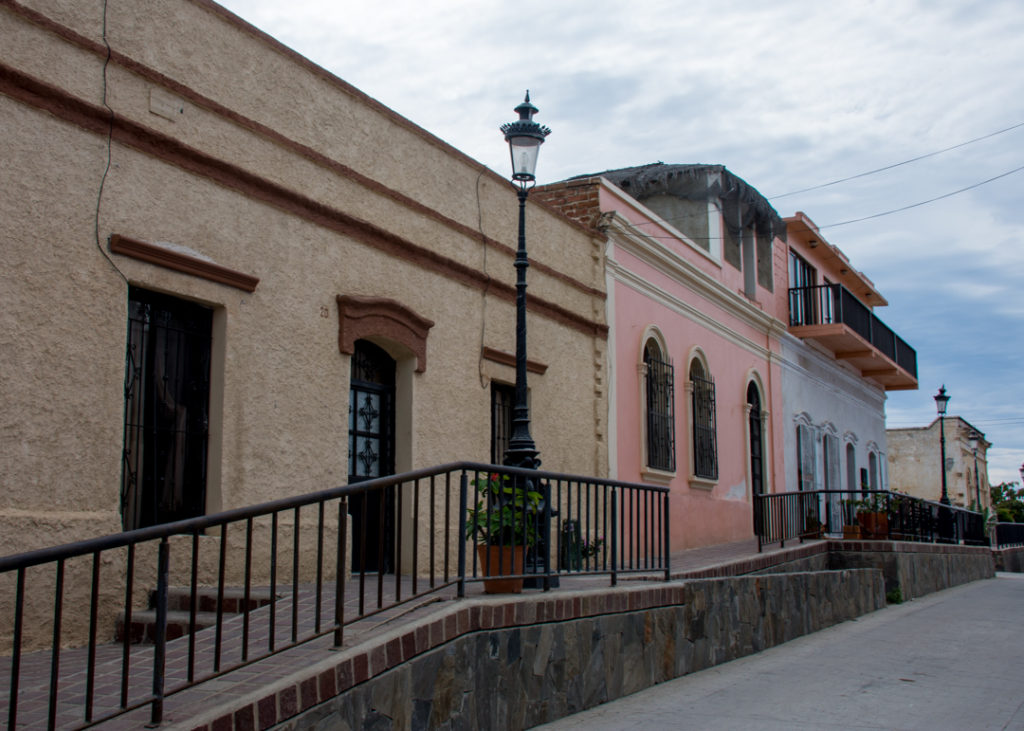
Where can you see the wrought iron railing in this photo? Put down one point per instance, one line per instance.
(873, 514)
(833, 303)
(289, 551)
(1009, 534)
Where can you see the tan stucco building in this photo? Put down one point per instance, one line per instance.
(915, 461)
(202, 231)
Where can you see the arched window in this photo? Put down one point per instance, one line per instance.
(702, 420)
(658, 391)
(756, 446)
(851, 468)
(806, 465)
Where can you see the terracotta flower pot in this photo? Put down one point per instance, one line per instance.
(501, 561)
(874, 525)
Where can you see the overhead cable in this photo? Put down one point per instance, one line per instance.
(897, 164)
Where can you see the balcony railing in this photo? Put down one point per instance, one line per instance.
(408, 538)
(828, 304)
(874, 514)
(1009, 534)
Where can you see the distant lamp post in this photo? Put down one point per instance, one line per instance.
(1022, 474)
(941, 401)
(973, 439)
(524, 137)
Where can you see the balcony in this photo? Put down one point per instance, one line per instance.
(832, 316)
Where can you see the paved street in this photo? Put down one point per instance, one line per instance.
(952, 660)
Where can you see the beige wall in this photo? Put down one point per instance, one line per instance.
(226, 143)
(915, 459)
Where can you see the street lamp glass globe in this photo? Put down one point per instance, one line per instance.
(524, 137)
(941, 399)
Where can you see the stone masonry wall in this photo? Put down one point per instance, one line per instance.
(916, 569)
(1009, 559)
(531, 672)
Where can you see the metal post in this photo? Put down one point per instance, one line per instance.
(665, 524)
(522, 452)
(942, 448)
(160, 641)
(461, 535)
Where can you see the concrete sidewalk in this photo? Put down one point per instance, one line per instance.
(951, 660)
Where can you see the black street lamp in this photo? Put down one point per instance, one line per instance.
(524, 137)
(941, 400)
(973, 438)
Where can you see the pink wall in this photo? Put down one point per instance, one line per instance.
(723, 513)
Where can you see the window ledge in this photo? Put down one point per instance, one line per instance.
(658, 477)
(702, 483)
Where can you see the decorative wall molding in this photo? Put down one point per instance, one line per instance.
(369, 317)
(179, 261)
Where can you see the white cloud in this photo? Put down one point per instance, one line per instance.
(786, 94)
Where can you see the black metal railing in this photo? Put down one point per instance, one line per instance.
(1009, 534)
(825, 304)
(295, 553)
(873, 514)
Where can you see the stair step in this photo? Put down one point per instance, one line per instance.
(143, 625)
(179, 598)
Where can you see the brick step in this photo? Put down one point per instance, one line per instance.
(179, 597)
(143, 626)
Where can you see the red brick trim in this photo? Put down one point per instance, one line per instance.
(180, 262)
(362, 317)
(500, 356)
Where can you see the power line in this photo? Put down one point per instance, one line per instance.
(897, 164)
(922, 203)
(852, 220)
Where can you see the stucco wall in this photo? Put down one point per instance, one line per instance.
(665, 287)
(816, 385)
(915, 463)
(228, 148)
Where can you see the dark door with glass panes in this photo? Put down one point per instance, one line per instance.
(166, 409)
(371, 449)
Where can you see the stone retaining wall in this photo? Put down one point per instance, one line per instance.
(514, 667)
(916, 569)
(1009, 559)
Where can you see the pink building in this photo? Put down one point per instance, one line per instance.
(696, 274)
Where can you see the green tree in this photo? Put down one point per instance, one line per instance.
(1008, 502)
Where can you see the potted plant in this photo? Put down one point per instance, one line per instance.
(503, 523)
(851, 525)
(575, 549)
(872, 514)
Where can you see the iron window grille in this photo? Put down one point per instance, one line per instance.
(166, 409)
(705, 439)
(659, 386)
(502, 399)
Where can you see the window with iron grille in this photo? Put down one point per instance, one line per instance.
(502, 399)
(702, 406)
(661, 446)
(166, 409)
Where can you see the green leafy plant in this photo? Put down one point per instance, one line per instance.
(894, 596)
(590, 548)
(504, 513)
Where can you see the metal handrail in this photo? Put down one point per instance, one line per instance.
(424, 536)
(833, 303)
(799, 515)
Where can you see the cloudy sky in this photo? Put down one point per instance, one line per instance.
(788, 95)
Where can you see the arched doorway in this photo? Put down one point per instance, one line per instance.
(756, 447)
(371, 453)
